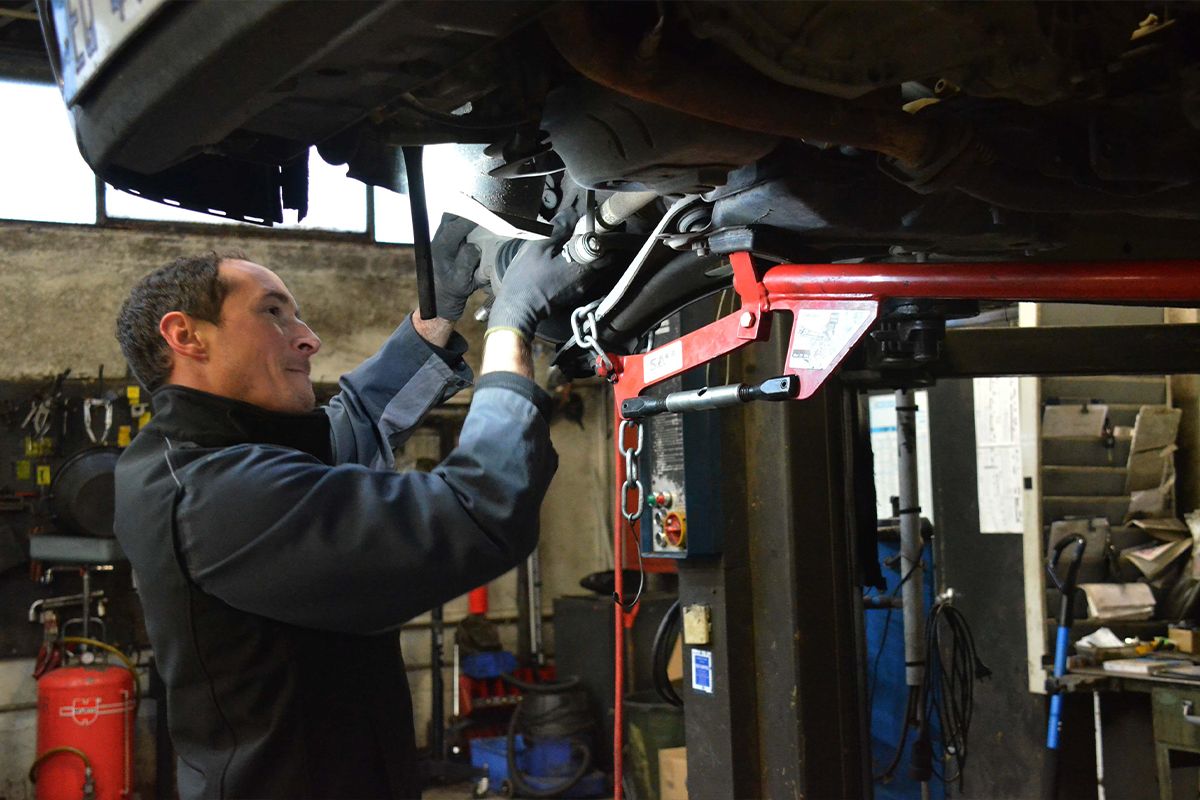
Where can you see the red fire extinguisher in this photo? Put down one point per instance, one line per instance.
(85, 732)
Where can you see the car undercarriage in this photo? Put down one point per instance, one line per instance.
(800, 131)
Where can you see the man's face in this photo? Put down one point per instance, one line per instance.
(259, 353)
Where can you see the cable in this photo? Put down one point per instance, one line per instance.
(566, 720)
(887, 624)
(637, 548)
(659, 655)
(909, 709)
(952, 667)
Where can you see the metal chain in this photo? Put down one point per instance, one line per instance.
(583, 325)
(633, 481)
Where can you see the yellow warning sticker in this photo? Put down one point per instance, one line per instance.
(43, 475)
(134, 394)
(38, 447)
(143, 420)
(24, 470)
(123, 436)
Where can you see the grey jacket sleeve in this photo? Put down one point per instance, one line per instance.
(274, 532)
(384, 398)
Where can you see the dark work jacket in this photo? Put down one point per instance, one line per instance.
(275, 556)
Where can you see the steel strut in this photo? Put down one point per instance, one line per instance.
(832, 307)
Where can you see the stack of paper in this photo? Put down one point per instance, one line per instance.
(1152, 559)
(1146, 665)
(1150, 472)
(1118, 600)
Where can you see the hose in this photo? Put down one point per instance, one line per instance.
(660, 655)
(575, 723)
(87, 762)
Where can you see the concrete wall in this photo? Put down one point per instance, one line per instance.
(60, 288)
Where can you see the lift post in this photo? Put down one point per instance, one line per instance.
(832, 307)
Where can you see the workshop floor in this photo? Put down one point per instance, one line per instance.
(457, 791)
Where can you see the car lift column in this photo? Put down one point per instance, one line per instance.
(720, 728)
(785, 718)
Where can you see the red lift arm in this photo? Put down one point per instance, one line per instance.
(832, 306)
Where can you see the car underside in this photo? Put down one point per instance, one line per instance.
(798, 131)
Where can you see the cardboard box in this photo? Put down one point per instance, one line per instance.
(675, 662)
(672, 773)
(1186, 639)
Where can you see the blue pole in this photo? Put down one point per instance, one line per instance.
(1060, 667)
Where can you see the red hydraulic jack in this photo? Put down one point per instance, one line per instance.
(832, 307)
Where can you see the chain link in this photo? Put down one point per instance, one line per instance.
(583, 325)
(633, 482)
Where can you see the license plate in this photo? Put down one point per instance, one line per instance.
(89, 32)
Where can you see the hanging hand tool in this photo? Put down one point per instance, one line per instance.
(422, 255)
(711, 397)
(43, 405)
(1065, 613)
(38, 418)
(104, 402)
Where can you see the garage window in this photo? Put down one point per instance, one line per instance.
(446, 177)
(43, 178)
(42, 175)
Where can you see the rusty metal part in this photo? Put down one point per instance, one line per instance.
(718, 93)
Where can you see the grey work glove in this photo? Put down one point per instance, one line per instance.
(540, 281)
(455, 264)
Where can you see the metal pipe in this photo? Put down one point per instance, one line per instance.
(619, 631)
(454, 698)
(437, 709)
(87, 603)
(524, 624)
(1098, 727)
(1157, 282)
(585, 244)
(718, 93)
(711, 397)
(49, 603)
(911, 569)
(621, 206)
(534, 570)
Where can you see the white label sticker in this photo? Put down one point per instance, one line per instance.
(702, 671)
(820, 334)
(663, 361)
(1001, 482)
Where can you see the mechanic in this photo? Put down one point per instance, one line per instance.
(274, 545)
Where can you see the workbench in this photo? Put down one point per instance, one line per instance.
(1175, 704)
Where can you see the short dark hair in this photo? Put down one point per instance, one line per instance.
(190, 284)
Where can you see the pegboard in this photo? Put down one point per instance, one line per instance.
(28, 466)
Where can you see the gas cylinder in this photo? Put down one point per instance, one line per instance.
(89, 708)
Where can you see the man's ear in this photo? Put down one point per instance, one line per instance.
(182, 335)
